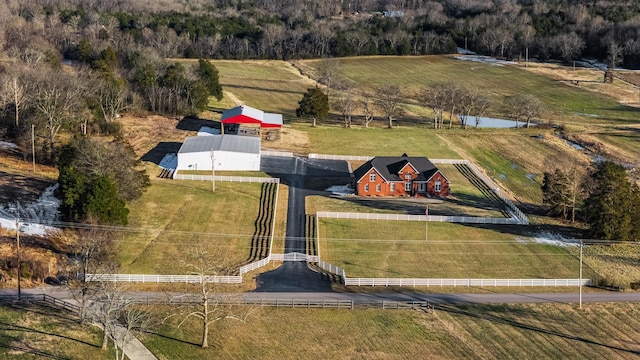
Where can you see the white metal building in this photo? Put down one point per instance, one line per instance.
(239, 153)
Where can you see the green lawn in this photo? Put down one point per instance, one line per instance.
(174, 216)
(413, 141)
(370, 248)
(530, 331)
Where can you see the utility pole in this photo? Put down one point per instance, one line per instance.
(213, 171)
(426, 224)
(580, 285)
(33, 146)
(19, 263)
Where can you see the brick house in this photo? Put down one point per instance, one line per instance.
(400, 176)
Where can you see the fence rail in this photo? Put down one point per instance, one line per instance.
(277, 153)
(154, 278)
(294, 256)
(464, 282)
(339, 157)
(404, 217)
(47, 299)
(244, 179)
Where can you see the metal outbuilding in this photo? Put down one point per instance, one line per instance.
(231, 153)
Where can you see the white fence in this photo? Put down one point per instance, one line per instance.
(254, 265)
(339, 157)
(294, 256)
(151, 278)
(245, 179)
(403, 217)
(464, 282)
(276, 153)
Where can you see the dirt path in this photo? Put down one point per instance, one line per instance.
(233, 98)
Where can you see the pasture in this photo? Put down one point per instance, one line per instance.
(413, 74)
(173, 217)
(528, 331)
(408, 249)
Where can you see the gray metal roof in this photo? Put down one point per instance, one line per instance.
(243, 110)
(231, 143)
(272, 119)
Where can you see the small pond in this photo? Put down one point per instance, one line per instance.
(487, 122)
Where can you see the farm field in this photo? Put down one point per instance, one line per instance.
(397, 249)
(535, 331)
(563, 102)
(172, 217)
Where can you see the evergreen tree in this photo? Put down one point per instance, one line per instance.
(208, 74)
(612, 209)
(314, 104)
(102, 202)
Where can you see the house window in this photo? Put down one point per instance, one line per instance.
(372, 177)
(422, 187)
(366, 187)
(378, 188)
(407, 176)
(437, 187)
(392, 186)
(407, 186)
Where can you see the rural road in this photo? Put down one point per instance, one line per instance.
(368, 298)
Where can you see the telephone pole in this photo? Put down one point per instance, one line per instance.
(580, 285)
(18, 255)
(213, 171)
(33, 146)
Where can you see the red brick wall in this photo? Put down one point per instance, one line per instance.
(444, 190)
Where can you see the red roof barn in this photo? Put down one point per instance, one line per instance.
(400, 176)
(244, 114)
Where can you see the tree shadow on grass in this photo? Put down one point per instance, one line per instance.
(7, 342)
(167, 337)
(484, 315)
(195, 123)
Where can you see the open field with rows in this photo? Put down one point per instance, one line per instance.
(172, 217)
(606, 331)
(371, 248)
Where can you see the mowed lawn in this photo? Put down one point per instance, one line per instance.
(528, 331)
(413, 141)
(173, 217)
(398, 249)
(413, 74)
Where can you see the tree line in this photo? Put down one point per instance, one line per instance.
(266, 29)
(604, 198)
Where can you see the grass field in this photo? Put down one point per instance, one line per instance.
(412, 74)
(369, 248)
(42, 332)
(173, 216)
(536, 331)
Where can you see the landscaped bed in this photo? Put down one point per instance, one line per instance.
(403, 249)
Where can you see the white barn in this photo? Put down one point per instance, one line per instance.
(231, 153)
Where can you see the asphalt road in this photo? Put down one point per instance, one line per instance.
(361, 298)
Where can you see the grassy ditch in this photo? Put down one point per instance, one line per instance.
(370, 248)
(528, 331)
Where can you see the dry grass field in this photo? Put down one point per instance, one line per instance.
(536, 331)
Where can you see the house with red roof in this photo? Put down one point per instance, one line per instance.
(400, 176)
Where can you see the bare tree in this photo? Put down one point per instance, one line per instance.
(532, 107)
(436, 98)
(388, 100)
(92, 251)
(112, 98)
(515, 109)
(454, 93)
(57, 101)
(366, 104)
(568, 45)
(345, 100)
(214, 301)
(327, 70)
(481, 106)
(15, 91)
(614, 56)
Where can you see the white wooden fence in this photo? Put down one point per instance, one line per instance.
(276, 153)
(339, 157)
(245, 179)
(464, 282)
(404, 217)
(153, 278)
